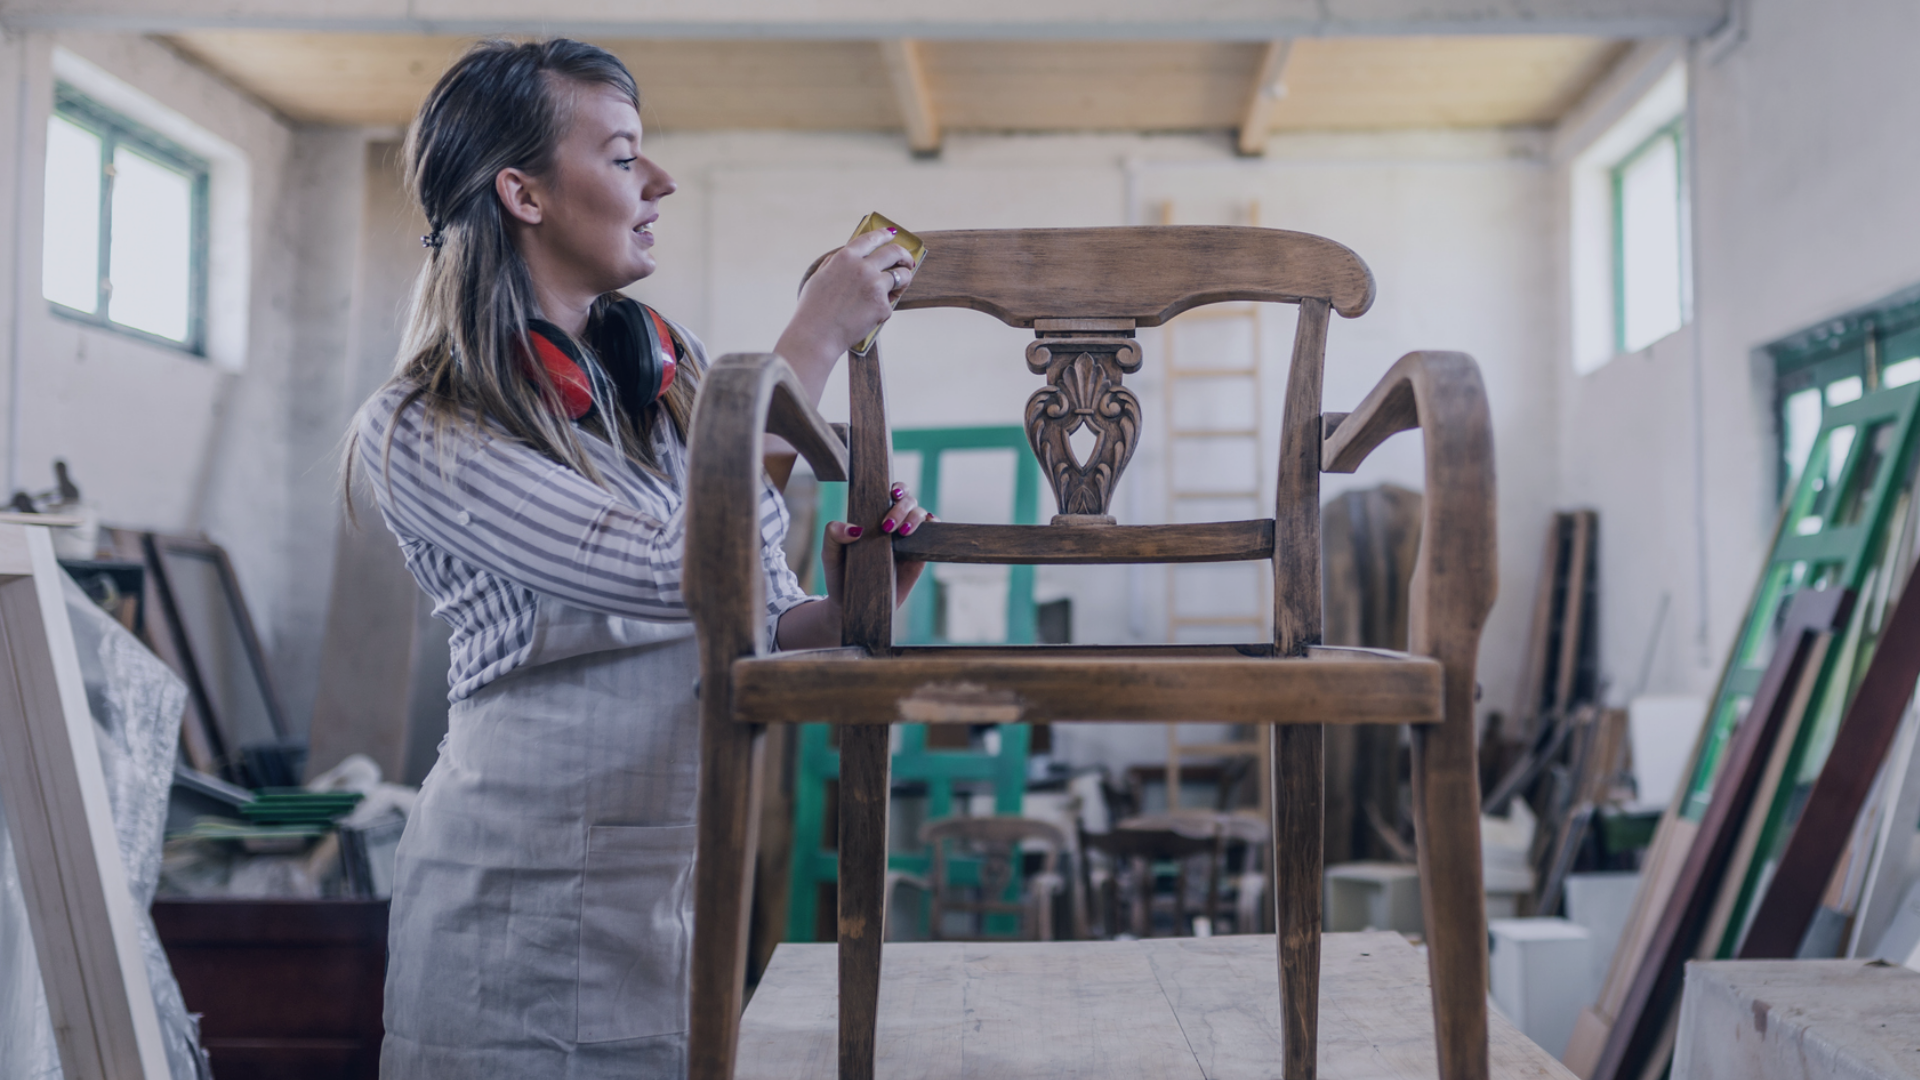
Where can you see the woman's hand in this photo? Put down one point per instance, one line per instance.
(817, 625)
(851, 293)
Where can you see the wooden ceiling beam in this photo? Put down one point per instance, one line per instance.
(1268, 87)
(1157, 20)
(908, 74)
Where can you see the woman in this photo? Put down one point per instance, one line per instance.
(530, 455)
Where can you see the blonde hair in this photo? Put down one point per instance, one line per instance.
(503, 105)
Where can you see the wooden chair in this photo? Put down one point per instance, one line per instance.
(1084, 293)
(997, 844)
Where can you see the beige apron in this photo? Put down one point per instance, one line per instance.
(543, 893)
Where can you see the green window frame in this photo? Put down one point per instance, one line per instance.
(1669, 133)
(1836, 361)
(115, 130)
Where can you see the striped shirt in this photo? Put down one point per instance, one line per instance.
(491, 530)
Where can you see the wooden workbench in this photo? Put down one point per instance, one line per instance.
(1164, 1008)
(1799, 1020)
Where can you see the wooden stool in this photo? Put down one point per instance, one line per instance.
(1084, 292)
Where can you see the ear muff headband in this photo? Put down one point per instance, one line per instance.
(635, 346)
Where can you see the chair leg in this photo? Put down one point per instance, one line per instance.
(1298, 788)
(1446, 816)
(723, 888)
(864, 786)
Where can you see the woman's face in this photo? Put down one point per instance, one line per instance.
(599, 202)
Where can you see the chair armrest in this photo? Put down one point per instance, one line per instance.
(1454, 579)
(743, 396)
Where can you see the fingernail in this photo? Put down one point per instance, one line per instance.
(854, 531)
(907, 528)
(888, 525)
(897, 492)
(891, 230)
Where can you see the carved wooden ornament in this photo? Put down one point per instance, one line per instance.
(1083, 390)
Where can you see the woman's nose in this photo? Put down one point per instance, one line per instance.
(659, 184)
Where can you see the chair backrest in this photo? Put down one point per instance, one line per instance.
(1084, 293)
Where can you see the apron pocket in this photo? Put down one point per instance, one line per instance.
(635, 932)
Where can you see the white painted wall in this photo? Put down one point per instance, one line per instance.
(1803, 208)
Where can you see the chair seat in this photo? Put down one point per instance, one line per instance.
(1045, 684)
(1164, 1008)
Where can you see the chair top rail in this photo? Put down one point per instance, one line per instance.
(1142, 274)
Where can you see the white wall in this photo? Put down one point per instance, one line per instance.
(240, 445)
(1802, 159)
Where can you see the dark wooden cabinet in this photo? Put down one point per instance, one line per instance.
(287, 989)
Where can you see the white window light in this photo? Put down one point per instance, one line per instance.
(125, 225)
(1648, 246)
(1628, 252)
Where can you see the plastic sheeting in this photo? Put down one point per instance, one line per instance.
(136, 704)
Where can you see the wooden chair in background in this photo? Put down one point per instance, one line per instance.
(1084, 293)
(998, 846)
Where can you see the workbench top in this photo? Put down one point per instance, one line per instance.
(1798, 1020)
(1163, 1008)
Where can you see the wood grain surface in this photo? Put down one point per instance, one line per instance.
(1000, 686)
(725, 594)
(864, 758)
(1299, 754)
(1072, 545)
(1162, 1008)
(1020, 275)
(1454, 582)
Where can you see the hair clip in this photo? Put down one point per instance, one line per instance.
(433, 240)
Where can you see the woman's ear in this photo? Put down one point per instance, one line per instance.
(520, 194)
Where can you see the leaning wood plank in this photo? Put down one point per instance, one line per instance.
(1865, 736)
(999, 689)
(1072, 545)
(1642, 1021)
(78, 904)
(1298, 771)
(1022, 1011)
(1733, 877)
(864, 758)
(1016, 274)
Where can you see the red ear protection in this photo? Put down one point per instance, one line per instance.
(636, 348)
(555, 353)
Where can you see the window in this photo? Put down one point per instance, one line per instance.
(1647, 242)
(1627, 250)
(1838, 361)
(126, 225)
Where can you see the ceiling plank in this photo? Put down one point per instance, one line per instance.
(907, 72)
(1268, 86)
(1154, 20)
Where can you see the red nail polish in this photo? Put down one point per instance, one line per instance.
(888, 525)
(854, 531)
